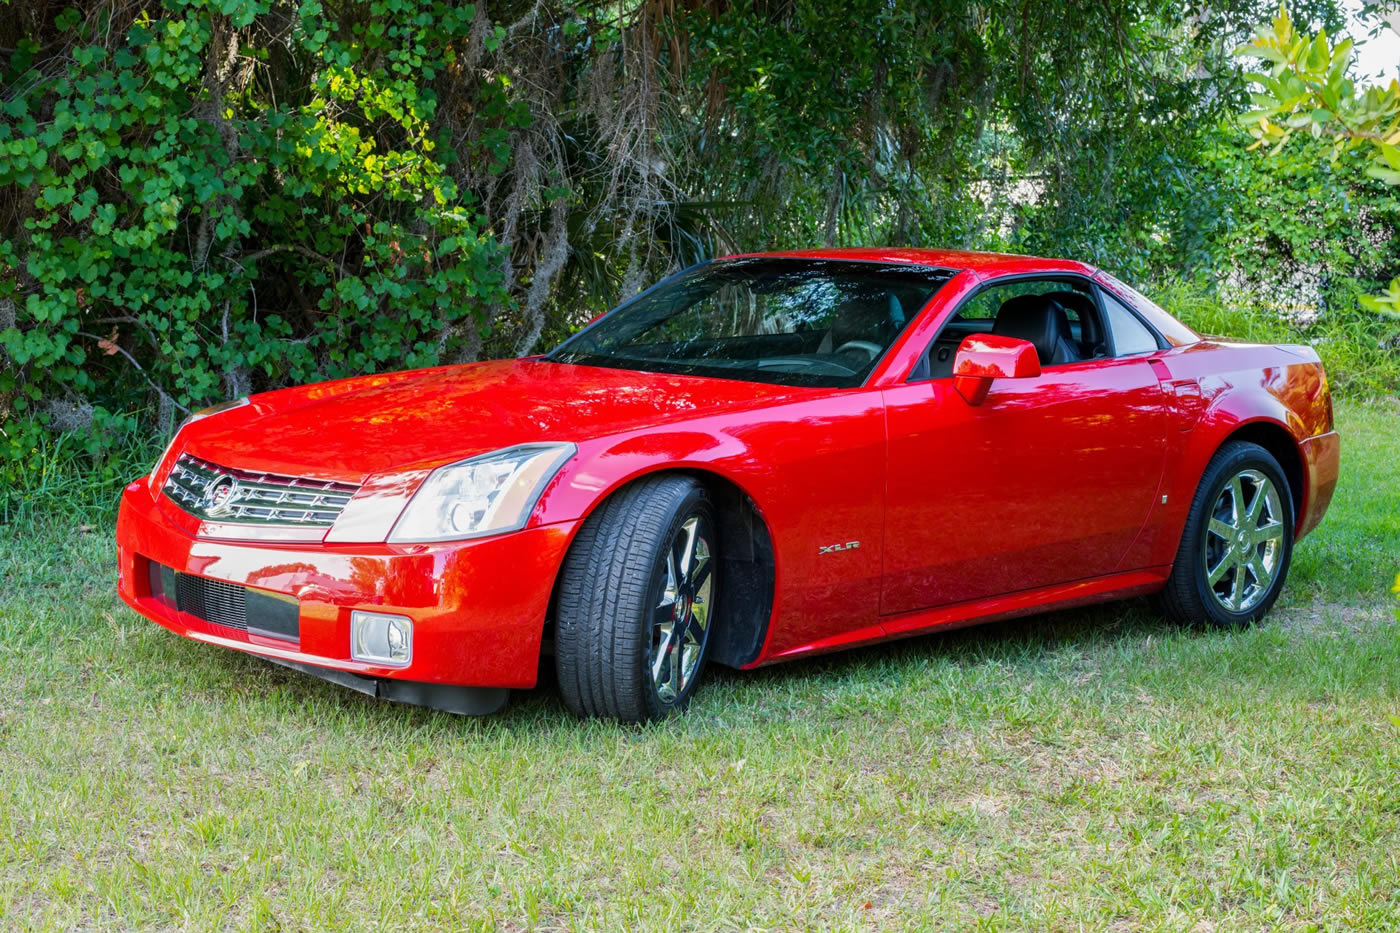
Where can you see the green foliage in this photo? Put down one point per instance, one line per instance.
(1008, 126)
(1387, 303)
(846, 127)
(80, 474)
(1298, 231)
(1360, 352)
(1307, 90)
(203, 198)
(195, 230)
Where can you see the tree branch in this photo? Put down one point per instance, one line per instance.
(291, 248)
(104, 342)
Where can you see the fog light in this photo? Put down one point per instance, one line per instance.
(380, 638)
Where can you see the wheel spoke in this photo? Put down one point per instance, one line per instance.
(675, 665)
(1237, 587)
(1260, 572)
(1227, 560)
(701, 574)
(690, 656)
(1237, 510)
(1222, 529)
(1261, 495)
(664, 649)
(686, 546)
(1271, 532)
(671, 588)
(700, 614)
(700, 587)
(689, 647)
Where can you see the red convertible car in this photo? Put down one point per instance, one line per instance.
(763, 457)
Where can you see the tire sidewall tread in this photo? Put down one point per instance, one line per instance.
(603, 612)
(1187, 596)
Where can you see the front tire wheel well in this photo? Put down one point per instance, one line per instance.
(749, 570)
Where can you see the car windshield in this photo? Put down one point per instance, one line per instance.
(807, 322)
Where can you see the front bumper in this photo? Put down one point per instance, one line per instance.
(478, 607)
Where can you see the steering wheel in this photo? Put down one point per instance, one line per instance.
(830, 367)
(874, 349)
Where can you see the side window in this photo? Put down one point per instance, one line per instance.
(1173, 331)
(1129, 334)
(984, 305)
(1018, 308)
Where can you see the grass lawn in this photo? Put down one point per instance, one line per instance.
(1087, 769)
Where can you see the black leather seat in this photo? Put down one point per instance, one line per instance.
(1092, 344)
(1041, 320)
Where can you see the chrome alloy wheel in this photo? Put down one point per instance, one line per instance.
(681, 620)
(1244, 541)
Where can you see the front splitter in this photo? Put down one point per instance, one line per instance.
(449, 698)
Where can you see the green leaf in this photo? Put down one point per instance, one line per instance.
(1386, 175)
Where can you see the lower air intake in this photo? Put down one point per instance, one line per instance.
(212, 600)
(244, 608)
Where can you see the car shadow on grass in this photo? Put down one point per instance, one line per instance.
(1028, 642)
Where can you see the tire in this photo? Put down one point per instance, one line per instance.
(637, 599)
(1237, 544)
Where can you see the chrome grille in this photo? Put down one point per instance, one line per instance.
(225, 494)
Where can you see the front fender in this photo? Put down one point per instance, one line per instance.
(602, 468)
(814, 470)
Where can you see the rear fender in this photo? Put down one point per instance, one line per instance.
(1232, 409)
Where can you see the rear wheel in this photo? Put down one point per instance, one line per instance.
(1238, 542)
(636, 602)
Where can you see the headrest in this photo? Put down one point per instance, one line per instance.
(1083, 305)
(1037, 318)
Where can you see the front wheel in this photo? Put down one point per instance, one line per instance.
(1238, 541)
(636, 602)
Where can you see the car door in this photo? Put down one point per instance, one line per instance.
(1048, 481)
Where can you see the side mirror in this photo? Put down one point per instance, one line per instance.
(984, 357)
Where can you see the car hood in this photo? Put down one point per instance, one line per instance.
(352, 428)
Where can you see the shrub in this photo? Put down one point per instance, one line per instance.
(1361, 351)
(197, 224)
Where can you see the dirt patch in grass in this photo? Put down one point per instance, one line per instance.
(1320, 618)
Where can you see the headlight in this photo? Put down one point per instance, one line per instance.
(484, 495)
(193, 417)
